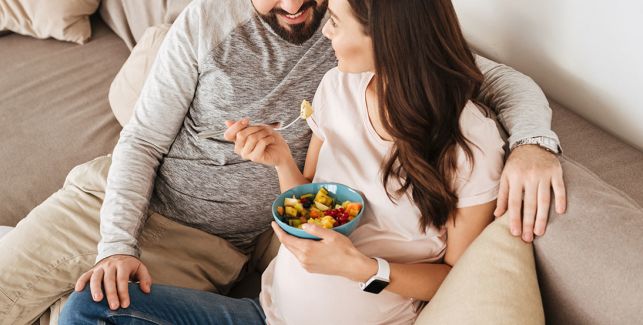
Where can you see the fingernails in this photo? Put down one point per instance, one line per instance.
(113, 306)
(96, 297)
(528, 236)
(515, 232)
(244, 121)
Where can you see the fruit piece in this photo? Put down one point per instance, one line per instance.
(280, 211)
(290, 202)
(321, 206)
(345, 204)
(306, 196)
(323, 197)
(291, 212)
(294, 222)
(305, 110)
(353, 209)
(315, 213)
(327, 222)
(299, 207)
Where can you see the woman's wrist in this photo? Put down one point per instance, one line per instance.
(364, 268)
(286, 164)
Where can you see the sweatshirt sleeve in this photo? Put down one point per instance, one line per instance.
(521, 106)
(158, 116)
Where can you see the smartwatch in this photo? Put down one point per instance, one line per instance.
(380, 280)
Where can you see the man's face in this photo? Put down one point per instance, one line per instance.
(294, 20)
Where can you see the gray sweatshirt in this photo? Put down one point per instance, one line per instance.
(218, 62)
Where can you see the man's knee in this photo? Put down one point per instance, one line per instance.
(90, 176)
(80, 308)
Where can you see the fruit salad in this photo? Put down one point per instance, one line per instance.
(320, 209)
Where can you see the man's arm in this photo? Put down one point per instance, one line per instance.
(524, 112)
(158, 117)
(521, 106)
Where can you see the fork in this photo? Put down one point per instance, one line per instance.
(305, 111)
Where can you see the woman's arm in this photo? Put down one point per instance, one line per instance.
(288, 172)
(334, 252)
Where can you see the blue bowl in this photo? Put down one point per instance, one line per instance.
(339, 192)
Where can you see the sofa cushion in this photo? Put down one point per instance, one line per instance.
(65, 20)
(589, 261)
(131, 18)
(129, 81)
(54, 113)
(494, 282)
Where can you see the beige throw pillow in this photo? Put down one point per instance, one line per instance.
(129, 81)
(494, 282)
(65, 20)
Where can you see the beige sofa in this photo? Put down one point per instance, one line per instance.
(54, 115)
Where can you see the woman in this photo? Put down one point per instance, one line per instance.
(395, 120)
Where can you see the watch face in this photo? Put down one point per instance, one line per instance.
(376, 286)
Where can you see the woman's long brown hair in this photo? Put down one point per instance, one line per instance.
(426, 74)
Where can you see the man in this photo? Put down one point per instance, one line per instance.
(222, 60)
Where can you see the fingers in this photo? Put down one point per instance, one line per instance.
(260, 148)
(234, 128)
(294, 244)
(109, 282)
(529, 211)
(503, 197)
(244, 136)
(320, 232)
(96, 283)
(144, 278)
(82, 281)
(252, 140)
(560, 193)
(122, 280)
(544, 198)
(515, 208)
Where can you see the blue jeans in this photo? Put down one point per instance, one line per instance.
(164, 305)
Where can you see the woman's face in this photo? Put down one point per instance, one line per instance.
(353, 48)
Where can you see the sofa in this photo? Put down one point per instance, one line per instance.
(55, 114)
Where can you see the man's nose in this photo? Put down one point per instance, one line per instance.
(292, 6)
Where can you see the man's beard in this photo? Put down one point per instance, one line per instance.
(300, 33)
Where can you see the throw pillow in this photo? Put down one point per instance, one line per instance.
(494, 282)
(129, 81)
(65, 20)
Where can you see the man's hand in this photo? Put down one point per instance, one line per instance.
(532, 171)
(113, 273)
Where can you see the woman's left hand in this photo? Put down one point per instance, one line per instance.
(334, 254)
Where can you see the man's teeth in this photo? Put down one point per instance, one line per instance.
(295, 15)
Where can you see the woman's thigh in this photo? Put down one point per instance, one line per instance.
(164, 305)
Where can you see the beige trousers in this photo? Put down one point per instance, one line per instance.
(41, 259)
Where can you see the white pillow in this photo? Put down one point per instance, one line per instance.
(65, 20)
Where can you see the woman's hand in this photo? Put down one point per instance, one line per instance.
(258, 143)
(335, 254)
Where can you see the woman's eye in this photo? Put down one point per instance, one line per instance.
(332, 22)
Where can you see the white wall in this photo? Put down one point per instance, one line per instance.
(585, 54)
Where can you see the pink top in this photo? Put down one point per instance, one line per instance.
(352, 154)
